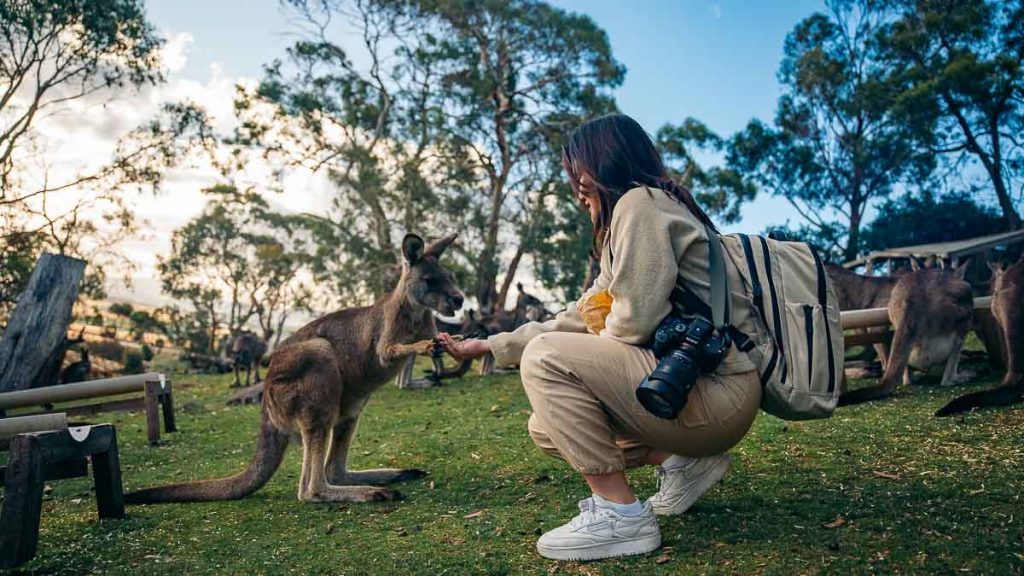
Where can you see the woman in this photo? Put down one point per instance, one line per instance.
(581, 374)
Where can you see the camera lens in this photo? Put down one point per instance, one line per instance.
(665, 391)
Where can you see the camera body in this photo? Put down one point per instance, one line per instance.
(686, 348)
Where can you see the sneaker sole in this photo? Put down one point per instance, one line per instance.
(707, 481)
(610, 550)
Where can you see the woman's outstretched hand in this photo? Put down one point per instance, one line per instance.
(464, 350)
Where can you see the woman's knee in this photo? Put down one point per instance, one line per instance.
(541, 438)
(536, 360)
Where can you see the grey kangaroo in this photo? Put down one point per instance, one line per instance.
(1007, 301)
(318, 383)
(931, 312)
(247, 349)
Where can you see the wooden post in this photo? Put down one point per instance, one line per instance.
(152, 393)
(23, 501)
(33, 344)
(40, 456)
(167, 405)
(106, 474)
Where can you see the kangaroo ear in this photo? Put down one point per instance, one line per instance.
(438, 247)
(519, 286)
(961, 270)
(916, 264)
(996, 267)
(412, 248)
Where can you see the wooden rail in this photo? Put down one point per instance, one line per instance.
(155, 387)
(873, 317)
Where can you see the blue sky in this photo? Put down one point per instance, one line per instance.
(713, 60)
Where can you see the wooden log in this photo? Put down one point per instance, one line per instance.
(41, 422)
(78, 390)
(106, 474)
(883, 337)
(33, 344)
(880, 316)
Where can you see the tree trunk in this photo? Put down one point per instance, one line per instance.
(33, 346)
(510, 273)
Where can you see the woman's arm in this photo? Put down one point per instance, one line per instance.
(647, 244)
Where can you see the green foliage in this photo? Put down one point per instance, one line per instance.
(146, 351)
(961, 64)
(721, 191)
(133, 363)
(238, 251)
(836, 145)
(60, 50)
(456, 127)
(912, 219)
(915, 494)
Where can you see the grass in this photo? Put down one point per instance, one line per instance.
(878, 488)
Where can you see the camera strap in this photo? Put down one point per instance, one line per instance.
(688, 302)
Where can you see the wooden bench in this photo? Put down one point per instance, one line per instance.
(42, 455)
(155, 389)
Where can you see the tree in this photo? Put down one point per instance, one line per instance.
(123, 310)
(371, 131)
(836, 145)
(56, 51)
(923, 219)
(963, 62)
(721, 191)
(513, 72)
(233, 252)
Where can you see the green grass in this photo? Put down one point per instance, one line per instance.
(916, 494)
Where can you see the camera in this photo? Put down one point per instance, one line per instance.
(686, 348)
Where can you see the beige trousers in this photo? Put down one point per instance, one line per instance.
(585, 411)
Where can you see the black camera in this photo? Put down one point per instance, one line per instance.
(686, 348)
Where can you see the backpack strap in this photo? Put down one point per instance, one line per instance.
(720, 313)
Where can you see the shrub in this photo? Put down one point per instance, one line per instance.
(147, 352)
(133, 363)
(108, 349)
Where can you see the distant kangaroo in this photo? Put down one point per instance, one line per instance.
(247, 349)
(318, 383)
(931, 311)
(1007, 302)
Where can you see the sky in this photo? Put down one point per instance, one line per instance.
(713, 60)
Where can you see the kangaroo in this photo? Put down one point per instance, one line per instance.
(77, 371)
(858, 292)
(1007, 298)
(931, 311)
(247, 350)
(319, 381)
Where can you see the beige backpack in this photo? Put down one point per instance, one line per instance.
(799, 348)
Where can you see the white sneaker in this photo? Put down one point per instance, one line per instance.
(679, 488)
(601, 532)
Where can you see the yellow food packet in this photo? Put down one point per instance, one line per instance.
(595, 309)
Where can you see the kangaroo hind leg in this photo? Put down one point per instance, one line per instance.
(337, 461)
(316, 488)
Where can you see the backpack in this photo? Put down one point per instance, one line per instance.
(800, 354)
(799, 348)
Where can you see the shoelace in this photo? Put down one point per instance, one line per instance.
(589, 511)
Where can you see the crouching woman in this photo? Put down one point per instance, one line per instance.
(581, 369)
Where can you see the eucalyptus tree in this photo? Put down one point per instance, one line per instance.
(837, 143)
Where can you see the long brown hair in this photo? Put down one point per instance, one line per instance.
(617, 154)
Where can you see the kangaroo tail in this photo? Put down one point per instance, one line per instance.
(1001, 396)
(270, 448)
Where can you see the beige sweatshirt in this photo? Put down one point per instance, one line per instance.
(653, 240)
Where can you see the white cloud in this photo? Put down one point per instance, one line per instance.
(83, 135)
